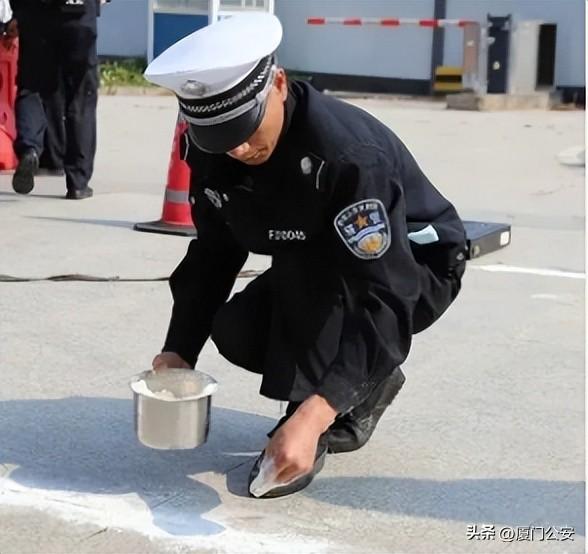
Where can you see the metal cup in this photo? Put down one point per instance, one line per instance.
(172, 408)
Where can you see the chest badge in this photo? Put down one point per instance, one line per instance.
(214, 197)
(364, 227)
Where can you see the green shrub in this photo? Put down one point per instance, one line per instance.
(123, 73)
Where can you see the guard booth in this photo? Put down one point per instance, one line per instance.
(172, 20)
(532, 57)
(521, 55)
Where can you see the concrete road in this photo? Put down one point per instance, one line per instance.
(482, 452)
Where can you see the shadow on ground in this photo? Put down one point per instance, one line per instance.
(103, 222)
(506, 502)
(57, 196)
(88, 445)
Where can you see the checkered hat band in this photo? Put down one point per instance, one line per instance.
(228, 101)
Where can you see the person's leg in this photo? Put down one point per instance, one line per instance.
(36, 75)
(30, 122)
(80, 80)
(244, 331)
(240, 328)
(30, 125)
(351, 431)
(81, 131)
(55, 138)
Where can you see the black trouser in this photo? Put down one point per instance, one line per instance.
(55, 144)
(57, 69)
(248, 332)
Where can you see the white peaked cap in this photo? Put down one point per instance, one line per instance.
(214, 59)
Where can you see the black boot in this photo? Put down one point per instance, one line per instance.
(23, 180)
(79, 194)
(352, 430)
(301, 482)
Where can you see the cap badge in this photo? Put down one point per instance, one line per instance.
(195, 88)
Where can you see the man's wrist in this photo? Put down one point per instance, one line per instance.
(319, 413)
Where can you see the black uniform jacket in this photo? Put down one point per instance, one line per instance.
(334, 207)
(18, 6)
(59, 6)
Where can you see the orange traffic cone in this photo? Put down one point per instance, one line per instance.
(176, 218)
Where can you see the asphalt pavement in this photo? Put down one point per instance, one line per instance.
(483, 451)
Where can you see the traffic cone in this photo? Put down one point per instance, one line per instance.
(176, 218)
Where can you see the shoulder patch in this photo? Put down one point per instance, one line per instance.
(364, 227)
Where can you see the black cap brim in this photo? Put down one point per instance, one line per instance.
(224, 137)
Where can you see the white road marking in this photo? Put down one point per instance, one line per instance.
(497, 268)
(542, 296)
(129, 512)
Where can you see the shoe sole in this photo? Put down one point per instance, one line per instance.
(23, 180)
(300, 483)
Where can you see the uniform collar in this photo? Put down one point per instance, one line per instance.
(289, 107)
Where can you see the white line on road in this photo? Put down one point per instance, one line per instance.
(529, 271)
(174, 525)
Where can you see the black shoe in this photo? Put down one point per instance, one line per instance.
(301, 482)
(292, 407)
(352, 430)
(79, 194)
(23, 180)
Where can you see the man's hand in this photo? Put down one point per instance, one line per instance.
(293, 447)
(169, 360)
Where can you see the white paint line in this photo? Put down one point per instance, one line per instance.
(542, 296)
(129, 512)
(529, 271)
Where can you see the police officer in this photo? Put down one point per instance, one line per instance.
(57, 65)
(365, 250)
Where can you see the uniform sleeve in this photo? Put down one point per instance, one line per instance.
(426, 208)
(378, 276)
(202, 281)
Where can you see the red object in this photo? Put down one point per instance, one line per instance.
(356, 21)
(387, 21)
(390, 22)
(8, 70)
(176, 206)
(176, 217)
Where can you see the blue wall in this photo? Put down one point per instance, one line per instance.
(122, 29)
(403, 52)
(168, 28)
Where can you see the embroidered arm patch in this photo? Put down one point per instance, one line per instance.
(364, 227)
